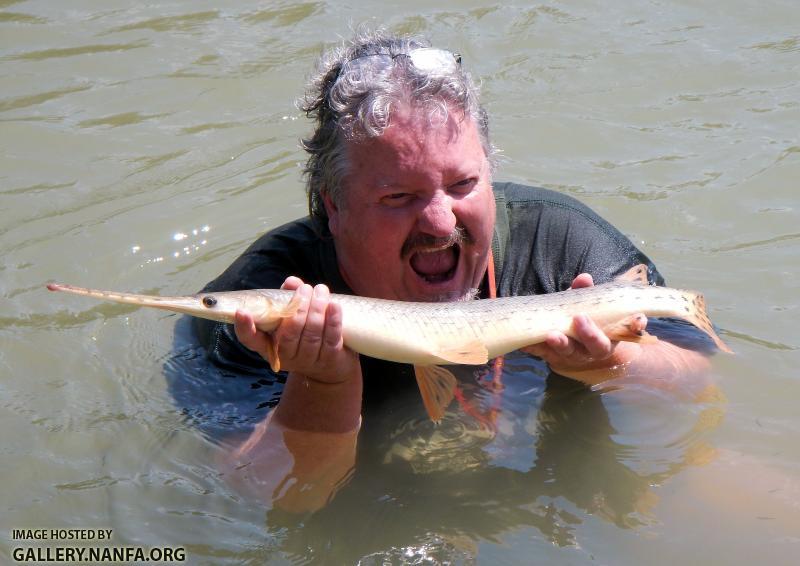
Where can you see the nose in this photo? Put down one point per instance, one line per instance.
(437, 217)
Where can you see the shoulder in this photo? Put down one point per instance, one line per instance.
(297, 233)
(523, 202)
(515, 194)
(552, 237)
(294, 248)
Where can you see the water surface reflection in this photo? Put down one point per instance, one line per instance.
(555, 455)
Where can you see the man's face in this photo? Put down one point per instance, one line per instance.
(416, 215)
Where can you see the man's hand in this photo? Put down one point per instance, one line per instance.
(591, 349)
(310, 342)
(323, 392)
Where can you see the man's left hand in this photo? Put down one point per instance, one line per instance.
(590, 349)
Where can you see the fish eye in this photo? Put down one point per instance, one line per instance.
(209, 301)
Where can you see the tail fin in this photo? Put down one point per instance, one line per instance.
(696, 314)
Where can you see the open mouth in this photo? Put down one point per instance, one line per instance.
(436, 265)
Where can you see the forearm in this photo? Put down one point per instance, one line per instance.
(659, 363)
(300, 454)
(297, 471)
(312, 405)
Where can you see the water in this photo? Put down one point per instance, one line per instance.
(145, 145)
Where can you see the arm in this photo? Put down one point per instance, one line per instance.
(298, 456)
(593, 358)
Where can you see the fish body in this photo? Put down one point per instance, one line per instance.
(432, 334)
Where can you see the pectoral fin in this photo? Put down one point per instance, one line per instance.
(291, 307)
(472, 353)
(272, 353)
(437, 386)
(272, 345)
(630, 329)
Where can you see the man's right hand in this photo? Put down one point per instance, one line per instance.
(310, 342)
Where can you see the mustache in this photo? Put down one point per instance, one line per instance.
(417, 242)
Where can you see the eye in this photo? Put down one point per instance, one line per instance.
(464, 185)
(396, 199)
(209, 301)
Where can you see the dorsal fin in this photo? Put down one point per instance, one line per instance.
(636, 274)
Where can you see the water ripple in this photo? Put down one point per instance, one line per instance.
(38, 98)
(117, 120)
(761, 342)
(181, 23)
(756, 243)
(102, 482)
(786, 45)
(19, 18)
(286, 15)
(39, 188)
(57, 53)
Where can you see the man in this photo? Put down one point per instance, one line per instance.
(402, 206)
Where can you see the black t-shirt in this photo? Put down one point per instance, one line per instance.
(542, 241)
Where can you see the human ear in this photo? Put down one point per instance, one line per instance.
(332, 210)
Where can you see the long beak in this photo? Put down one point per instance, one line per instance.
(190, 304)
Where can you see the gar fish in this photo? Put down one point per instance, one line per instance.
(432, 334)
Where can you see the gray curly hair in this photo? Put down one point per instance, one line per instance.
(353, 92)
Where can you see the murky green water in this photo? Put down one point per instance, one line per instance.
(144, 145)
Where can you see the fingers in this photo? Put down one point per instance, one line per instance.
(245, 328)
(311, 342)
(311, 335)
(290, 332)
(332, 338)
(558, 347)
(316, 324)
(589, 342)
(588, 348)
(560, 344)
(582, 280)
(292, 283)
(248, 334)
(595, 342)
